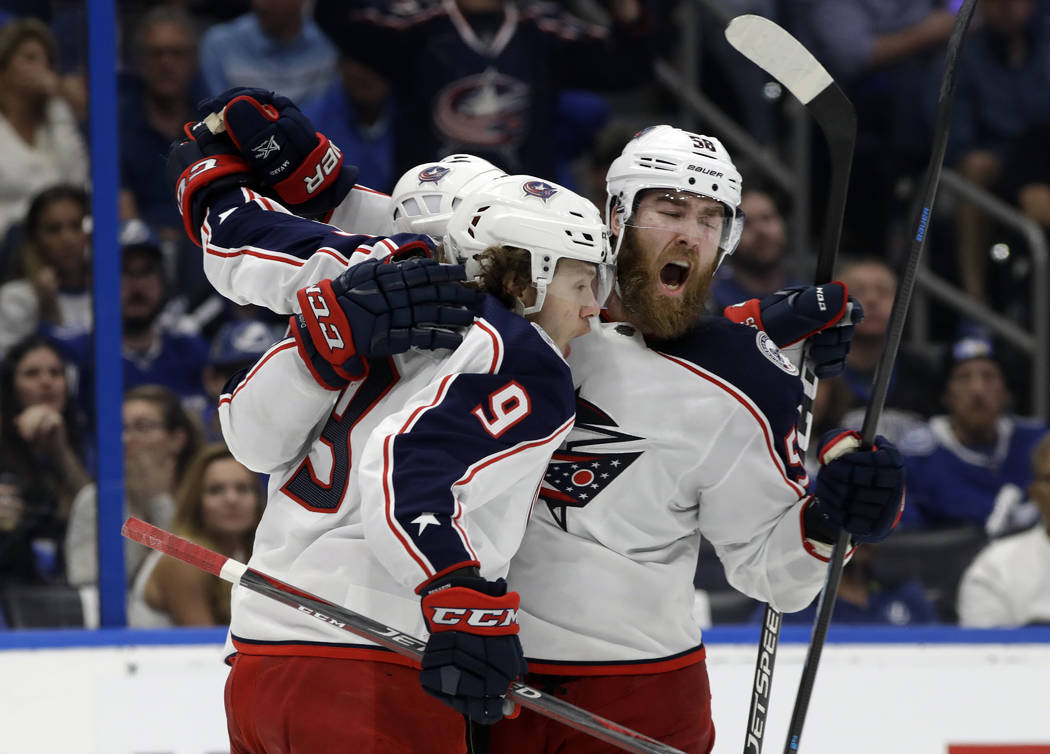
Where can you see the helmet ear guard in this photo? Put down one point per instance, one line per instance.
(665, 157)
(543, 218)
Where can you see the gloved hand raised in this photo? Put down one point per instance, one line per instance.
(379, 308)
(822, 314)
(199, 167)
(284, 150)
(473, 653)
(861, 491)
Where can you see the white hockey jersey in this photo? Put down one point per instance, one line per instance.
(673, 441)
(430, 463)
(257, 252)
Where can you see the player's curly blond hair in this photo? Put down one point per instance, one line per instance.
(506, 273)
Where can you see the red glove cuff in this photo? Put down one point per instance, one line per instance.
(198, 175)
(328, 326)
(318, 171)
(461, 609)
(745, 313)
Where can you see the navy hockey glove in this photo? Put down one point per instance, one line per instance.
(285, 151)
(198, 168)
(377, 309)
(823, 314)
(473, 653)
(861, 491)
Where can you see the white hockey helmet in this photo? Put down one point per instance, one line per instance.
(547, 220)
(424, 197)
(665, 157)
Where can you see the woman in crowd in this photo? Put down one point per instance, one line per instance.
(160, 440)
(49, 285)
(219, 505)
(39, 138)
(41, 458)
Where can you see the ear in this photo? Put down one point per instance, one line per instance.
(615, 218)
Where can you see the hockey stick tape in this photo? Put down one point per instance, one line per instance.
(215, 123)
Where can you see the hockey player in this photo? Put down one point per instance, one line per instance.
(400, 487)
(267, 145)
(682, 430)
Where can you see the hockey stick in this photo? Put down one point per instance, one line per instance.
(884, 369)
(783, 57)
(340, 617)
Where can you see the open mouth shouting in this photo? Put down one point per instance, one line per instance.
(673, 277)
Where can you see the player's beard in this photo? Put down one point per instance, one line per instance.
(652, 312)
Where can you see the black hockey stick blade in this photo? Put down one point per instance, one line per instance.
(884, 369)
(779, 54)
(345, 619)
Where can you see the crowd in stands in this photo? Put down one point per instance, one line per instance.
(394, 84)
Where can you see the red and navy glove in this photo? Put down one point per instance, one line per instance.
(302, 166)
(861, 491)
(377, 309)
(473, 653)
(199, 167)
(822, 314)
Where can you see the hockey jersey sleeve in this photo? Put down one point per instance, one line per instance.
(751, 511)
(450, 480)
(257, 252)
(753, 517)
(270, 414)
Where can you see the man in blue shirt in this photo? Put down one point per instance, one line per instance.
(274, 47)
(972, 465)
(152, 354)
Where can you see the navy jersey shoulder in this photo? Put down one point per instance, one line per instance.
(528, 357)
(747, 359)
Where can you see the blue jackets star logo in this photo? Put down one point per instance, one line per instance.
(579, 472)
(433, 174)
(540, 189)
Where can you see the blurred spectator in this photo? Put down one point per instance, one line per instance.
(863, 598)
(880, 52)
(1005, 60)
(972, 465)
(235, 347)
(594, 165)
(1008, 583)
(738, 86)
(356, 113)
(579, 118)
(483, 76)
(155, 102)
(51, 292)
(219, 506)
(204, 12)
(758, 267)
(160, 440)
(41, 460)
(153, 355)
(38, 132)
(841, 401)
(1026, 176)
(277, 47)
